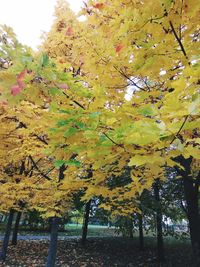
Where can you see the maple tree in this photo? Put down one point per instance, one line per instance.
(116, 102)
(150, 107)
(29, 179)
(157, 54)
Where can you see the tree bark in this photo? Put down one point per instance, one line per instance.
(16, 228)
(130, 227)
(141, 234)
(51, 258)
(191, 192)
(86, 221)
(7, 236)
(160, 243)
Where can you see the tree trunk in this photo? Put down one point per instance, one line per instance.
(7, 236)
(160, 243)
(85, 222)
(193, 218)
(51, 259)
(16, 228)
(130, 227)
(191, 191)
(141, 235)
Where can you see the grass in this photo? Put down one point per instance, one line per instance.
(73, 230)
(94, 231)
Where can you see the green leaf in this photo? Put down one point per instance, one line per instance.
(74, 162)
(94, 114)
(81, 125)
(44, 61)
(102, 138)
(63, 122)
(59, 163)
(53, 91)
(147, 110)
(65, 111)
(70, 132)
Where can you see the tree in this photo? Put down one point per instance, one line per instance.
(16, 228)
(154, 55)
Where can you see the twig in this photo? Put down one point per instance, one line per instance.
(37, 168)
(41, 139)
(178, 40)
(120, 145)
(31, 169)
(180, 129)
(75, 102)
(128, 78)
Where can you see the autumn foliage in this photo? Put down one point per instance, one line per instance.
(117, 92)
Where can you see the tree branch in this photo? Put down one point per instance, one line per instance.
(120, 145)
(128, 78)
(178, 39)
(41, 139)
(37, 168)
(186, 117)
(75, 102)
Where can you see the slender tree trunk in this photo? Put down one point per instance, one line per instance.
(16, 228)
(193, 218)
(141, 234)
(160, 243)
(191, 191)
(130, 227)
(86, 221)
(7, 236)
(51, 259)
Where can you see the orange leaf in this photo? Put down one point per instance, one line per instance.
(118, 48)
(99, 5)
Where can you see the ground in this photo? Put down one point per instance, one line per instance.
(99, 252)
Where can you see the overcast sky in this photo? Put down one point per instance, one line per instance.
(29, 18)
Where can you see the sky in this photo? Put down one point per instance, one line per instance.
(30, 18)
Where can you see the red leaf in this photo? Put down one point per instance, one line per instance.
(118, 48)
(99, 6)
(20, 84)
(69, 31)
(21, 75)
(15, 90)
(20, 78)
